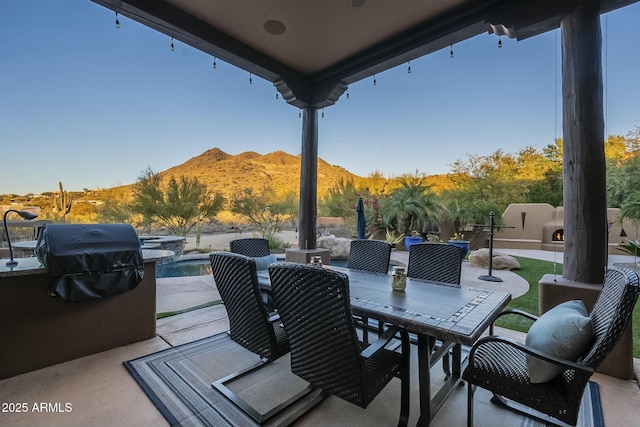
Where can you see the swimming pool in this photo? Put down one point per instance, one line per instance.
(202, 267)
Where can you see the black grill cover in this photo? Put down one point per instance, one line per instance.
(90, 261)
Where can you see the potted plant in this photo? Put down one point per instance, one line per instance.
(458, 240)
(391, 238)
(412, 239)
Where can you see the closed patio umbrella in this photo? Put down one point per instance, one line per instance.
(361, 220)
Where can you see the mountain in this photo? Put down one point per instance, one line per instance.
(228, 174)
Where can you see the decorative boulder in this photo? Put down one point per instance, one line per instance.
(480, 259)
(339, 247)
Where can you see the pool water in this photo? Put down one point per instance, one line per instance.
(202, 267)
(196, 267)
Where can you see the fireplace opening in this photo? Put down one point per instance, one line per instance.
(558, 236)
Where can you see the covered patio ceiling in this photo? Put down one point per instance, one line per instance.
(312, 49)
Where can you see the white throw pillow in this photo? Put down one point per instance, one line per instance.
(564, 331)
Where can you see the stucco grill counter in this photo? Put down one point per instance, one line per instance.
(90, 289)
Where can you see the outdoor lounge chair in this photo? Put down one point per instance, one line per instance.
(251, 246)
(372, 256)
(315, 308)
(250, 324)
(500, 364)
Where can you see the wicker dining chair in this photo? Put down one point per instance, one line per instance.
(315, 309)
(438, 262)
(250, 246)
(251, 326)
(372, 256)
(369, 255)
(499, 364)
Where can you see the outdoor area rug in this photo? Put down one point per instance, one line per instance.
(178, 382)
(590, 410)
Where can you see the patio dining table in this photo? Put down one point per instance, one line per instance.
(454, 315)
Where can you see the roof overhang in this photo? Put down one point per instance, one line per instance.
(311, 50)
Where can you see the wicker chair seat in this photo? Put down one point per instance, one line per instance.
(502, 369)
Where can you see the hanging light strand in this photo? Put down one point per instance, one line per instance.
(250, 78)
(451, 52)
(214, 63)
(117, 21)
(277, 94)
(375, 82)
(323, 112)
(499, 42)
(409, 68)
(172, 45)
(347, 92)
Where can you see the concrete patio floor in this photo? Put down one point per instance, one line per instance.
(98, 391)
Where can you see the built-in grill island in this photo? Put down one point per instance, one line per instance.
(90, 288)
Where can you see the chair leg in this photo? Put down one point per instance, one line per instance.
(446, 364)
(405, 389)
(259, 417)
(470, 390)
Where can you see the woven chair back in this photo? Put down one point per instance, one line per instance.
(315, 309)
(251, 246)
(438, 262)
(611, 312)
(237, 281)
(369, 255)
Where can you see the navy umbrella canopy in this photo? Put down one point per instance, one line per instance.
(361, 221)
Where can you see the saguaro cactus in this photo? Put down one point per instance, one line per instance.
(62, 203)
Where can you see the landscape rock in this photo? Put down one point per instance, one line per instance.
(480, 259)
(339, 247)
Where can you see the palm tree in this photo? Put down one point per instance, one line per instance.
(412, 205)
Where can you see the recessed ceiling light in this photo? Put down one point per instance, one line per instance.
(274, 27)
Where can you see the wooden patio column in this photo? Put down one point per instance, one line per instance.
(585, 205)
(308, 179)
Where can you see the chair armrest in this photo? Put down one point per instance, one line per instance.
(563, 363)
(512, 311)
(383, 340)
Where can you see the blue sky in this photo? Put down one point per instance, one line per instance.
(92, 106)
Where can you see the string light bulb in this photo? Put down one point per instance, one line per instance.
(172, 46)
(250, 79)
(214, 63)
(499, 42)
(375, 82)
(277, 94)
(409, 68)
(117, 21)
(451, 52)
(347, 92)
(323, 112)
(300, 113)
